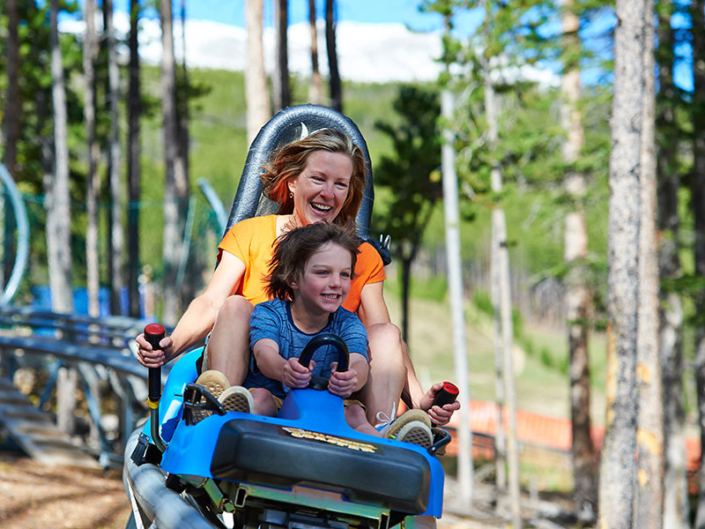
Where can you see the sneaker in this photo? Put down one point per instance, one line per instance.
(414, 426)
(237, 398)
(215, 383)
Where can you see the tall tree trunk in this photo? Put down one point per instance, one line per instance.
(171, 237)
(58, 227)
(577, 295)
(455, 290)
(92, 180)
(649, 506)
(13, 108)
(675, 508)
(504, 302)
(336, 88)
(134, 106)
(618, 468)
(256, 94)
(280, 79)
(115, 261)
(405, 284)
(698, 206)
(315, 87)
(188, 290)
(500, 441)
(11, 131)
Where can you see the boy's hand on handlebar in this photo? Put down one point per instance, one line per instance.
(294, 375)
(342, 383)
(149, 357)
(439, 415)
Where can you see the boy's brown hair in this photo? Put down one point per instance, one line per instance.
(293, 250)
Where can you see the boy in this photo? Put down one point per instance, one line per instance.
(311, 270)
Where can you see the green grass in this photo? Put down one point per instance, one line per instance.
(540, 386)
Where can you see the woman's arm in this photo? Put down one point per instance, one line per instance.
(200, 316)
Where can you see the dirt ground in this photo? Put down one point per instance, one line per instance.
(36, 496)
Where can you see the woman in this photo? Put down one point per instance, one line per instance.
(320, 178)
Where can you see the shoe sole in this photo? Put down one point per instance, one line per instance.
(215, 388)
(237, 401)
(416, 433)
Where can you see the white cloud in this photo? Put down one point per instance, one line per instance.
(374, 53)
(366, 52)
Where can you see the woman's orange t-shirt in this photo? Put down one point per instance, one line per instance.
(252, 241)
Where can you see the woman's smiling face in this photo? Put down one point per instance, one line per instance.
(321, 188)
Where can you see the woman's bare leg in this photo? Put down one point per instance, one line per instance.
(229, 343)
(387, 371)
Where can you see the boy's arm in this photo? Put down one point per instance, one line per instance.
(272, 365)
(348, 382)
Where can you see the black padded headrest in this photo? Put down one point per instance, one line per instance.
(283, 128)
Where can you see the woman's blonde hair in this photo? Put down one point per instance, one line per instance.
(290, 160)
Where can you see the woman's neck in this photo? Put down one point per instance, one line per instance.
(287, 223)
(307, 321)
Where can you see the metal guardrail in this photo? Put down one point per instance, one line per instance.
(99, 348)
(22, 254)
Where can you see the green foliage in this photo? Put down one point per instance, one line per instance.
(412, 174)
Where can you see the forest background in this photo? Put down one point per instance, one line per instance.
(96, 156)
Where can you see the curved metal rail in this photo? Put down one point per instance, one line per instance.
(22, 236)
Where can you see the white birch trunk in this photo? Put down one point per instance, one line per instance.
(92, 179)
(649, 505)
(171, 237)
(675, 509)
(502, 277)
(256, 93)
(455, 289)
(58, 228)
(577, 295)
(618, 466)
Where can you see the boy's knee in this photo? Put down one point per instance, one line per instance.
(260, 395)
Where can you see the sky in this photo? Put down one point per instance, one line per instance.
(366, 11)
(406, 12)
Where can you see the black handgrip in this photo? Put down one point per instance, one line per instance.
(321, 383)
(446, 395)
(327, 339)
(154, 333)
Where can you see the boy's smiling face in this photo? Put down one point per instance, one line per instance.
(325, 282)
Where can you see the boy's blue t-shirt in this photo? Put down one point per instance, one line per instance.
(272, 319)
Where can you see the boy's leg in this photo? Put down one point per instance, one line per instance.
(264, 403)
(229, 342)
(357, 420)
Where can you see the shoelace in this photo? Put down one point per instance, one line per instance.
(384, 419)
